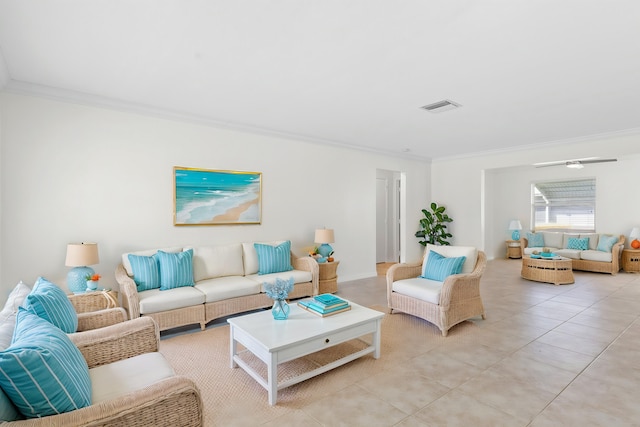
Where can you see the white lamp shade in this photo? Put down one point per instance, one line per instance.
(515, 225)
(324, 235)
(82, 254)
(635, 233)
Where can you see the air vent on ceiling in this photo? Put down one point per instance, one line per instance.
(440, 106)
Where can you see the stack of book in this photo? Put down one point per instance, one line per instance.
(325, 305)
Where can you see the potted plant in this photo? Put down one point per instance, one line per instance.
(434, 226)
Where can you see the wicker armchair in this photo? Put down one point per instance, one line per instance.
(174, 401)
(459, 298)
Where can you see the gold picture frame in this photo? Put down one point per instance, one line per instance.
(216, 197)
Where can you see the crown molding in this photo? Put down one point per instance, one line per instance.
(63, 95)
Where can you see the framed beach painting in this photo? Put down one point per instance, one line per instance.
(216, 197)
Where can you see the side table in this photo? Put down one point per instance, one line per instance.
(513, 249)
(94, 301)
(328, 277)
(631, 260)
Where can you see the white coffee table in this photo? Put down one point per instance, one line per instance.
(278, 341)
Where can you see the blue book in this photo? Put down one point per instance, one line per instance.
(328, 300)
(311, 304)
(306, 306)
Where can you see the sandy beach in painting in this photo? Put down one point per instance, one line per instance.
(234, 214)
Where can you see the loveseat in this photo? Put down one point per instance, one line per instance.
(599, 253)
(217, 281)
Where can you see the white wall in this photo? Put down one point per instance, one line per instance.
(74, 173)
(507, 181)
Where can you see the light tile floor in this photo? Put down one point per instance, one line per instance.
(545, 356)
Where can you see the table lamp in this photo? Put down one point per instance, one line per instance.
(79, 256)
(633, 236)
(324, 236)
(515, 227)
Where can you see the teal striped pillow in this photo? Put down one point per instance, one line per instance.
(42, 372)
(49, 302)
(273, 259)
(439, 267)
(578, 244)
(176, 269)
(145, 271)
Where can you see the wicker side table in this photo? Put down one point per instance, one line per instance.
(94, 301)
(556, 271)
(631, 260)
(328, 277)
(513, 249)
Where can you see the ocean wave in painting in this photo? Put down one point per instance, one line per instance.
(202, 196)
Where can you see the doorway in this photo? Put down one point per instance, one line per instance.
(388, 215)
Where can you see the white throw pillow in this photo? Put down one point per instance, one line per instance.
(455, 251)
(9, 312)
(217, 261)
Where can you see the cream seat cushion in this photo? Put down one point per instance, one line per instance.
(222, 288)
(422, 289)
(596, 256)
(298, 277)
(569, 253)
(155, 300)
(126, 376)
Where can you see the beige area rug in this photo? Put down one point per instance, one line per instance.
(232, 397)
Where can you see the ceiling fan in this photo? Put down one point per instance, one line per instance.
(574, 163)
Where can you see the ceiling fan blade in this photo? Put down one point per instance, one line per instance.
(584, 162)
(576, 161)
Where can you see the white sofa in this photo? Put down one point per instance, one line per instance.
(226, 282)
(596, 258)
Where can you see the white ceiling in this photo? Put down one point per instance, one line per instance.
(346, 72)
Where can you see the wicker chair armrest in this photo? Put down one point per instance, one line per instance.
(523, 244)
(170, 402)
(129, 292)
(403, 271)
(459, 287)
(307, 264)
(118, 342)
(101, 318)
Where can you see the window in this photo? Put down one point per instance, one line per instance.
(564, 205)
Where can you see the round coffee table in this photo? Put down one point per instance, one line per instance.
(556, 270)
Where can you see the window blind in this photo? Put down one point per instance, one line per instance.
(568, 205)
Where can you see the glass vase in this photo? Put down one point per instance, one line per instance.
(280, 309)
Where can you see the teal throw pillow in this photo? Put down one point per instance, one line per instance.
(273, 259)
(581, 244)
(145, 270)
(49, 302)
(439, 267)
(176, 269)
(43, 372)
(535, 240)
(605, 244)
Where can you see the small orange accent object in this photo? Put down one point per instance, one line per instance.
(330, 259)
(635, 244)
(95, 277)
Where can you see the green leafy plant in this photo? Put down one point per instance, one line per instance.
(434, 226)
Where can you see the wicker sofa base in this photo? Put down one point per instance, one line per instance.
(179, 317)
